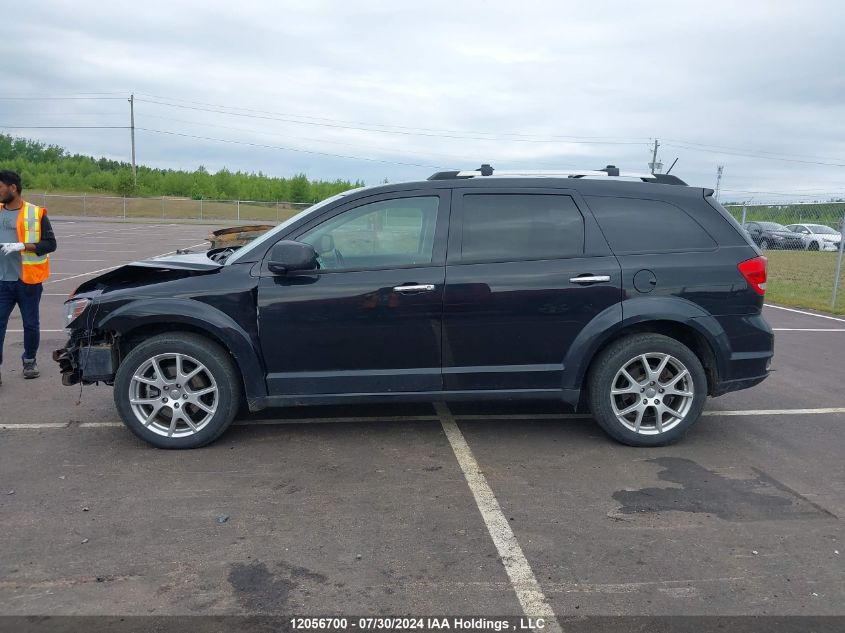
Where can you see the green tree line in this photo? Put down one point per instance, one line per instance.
(51, 168)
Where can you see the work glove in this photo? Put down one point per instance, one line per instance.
(12, 247)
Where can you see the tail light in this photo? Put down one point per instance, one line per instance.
(754, 272)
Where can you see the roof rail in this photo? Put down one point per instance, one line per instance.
(610, 171)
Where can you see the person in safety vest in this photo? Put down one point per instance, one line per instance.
(26, 238)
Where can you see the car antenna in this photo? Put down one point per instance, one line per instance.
(670, 166)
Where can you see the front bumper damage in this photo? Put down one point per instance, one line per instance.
(88, 358)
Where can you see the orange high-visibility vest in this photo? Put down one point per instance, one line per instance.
(34, 268)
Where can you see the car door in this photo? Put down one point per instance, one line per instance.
(803, 231)
(526, 271)
(369, 319)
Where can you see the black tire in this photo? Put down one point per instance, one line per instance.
(814, 246)
(217, 365)
(764, 245)
(618, 355)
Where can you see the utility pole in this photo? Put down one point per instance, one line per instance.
(653, 164)
(132, 127)
(718, 180)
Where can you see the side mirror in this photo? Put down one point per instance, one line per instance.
(288, 256)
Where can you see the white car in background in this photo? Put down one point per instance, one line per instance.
(817, 237)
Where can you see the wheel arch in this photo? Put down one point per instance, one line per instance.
(676, 318)
(140, 320)
(685, 334)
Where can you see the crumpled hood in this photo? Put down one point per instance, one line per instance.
(185, 261)
(143, 272)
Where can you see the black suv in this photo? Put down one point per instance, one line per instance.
(633, 296)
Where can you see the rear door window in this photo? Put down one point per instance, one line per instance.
(513, 227)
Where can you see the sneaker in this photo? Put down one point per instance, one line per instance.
(30, 369)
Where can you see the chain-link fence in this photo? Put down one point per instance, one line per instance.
(823, 213)
(165, 207)
(803, 263)
(804, 245)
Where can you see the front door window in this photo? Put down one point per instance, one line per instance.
(386, 234)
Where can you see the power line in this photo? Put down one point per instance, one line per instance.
(289, 149)
(633, 140)
(740, 149)
(750, 155)
(783, 193)
(64, 127)
(408, 132)
(60, 98)
(288, 136)
(63, 114)
(456, 134)
(284, 119)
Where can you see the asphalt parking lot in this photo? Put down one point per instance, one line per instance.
(485, 509)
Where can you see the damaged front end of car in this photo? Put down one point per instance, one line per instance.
(95, 348)
(88, 357)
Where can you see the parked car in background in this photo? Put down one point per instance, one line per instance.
(817, 237)
(768, 235)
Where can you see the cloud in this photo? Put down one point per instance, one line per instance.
(445, 84)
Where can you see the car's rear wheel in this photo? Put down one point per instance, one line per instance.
(646, 389)
(764, 245)
(814, 246)
(177, 391)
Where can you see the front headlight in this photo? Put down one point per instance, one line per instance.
(74, 308)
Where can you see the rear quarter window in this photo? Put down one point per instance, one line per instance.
(635, 226)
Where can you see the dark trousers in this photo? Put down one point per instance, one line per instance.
(26, 297)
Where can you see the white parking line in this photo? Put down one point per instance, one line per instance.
(413, 418)
(821, 316)
(778, 412)
(93, 272)
(33, 426)
(804, 329)
(528, 591)
(131, 228)
(103, 270)
(42, 331)
(99, 250)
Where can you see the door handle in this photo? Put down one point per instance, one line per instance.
(590, 279)
(416, 288)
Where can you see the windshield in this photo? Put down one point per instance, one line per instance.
(772, 226)
(269, 235)
(821, 229)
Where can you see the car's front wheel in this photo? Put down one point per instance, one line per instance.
(764, 245)
(646, 389)
(814, 246)
(177, 390)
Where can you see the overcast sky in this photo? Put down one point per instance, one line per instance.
(397, 90)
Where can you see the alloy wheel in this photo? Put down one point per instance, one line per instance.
(652, 393)
(173, 395)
